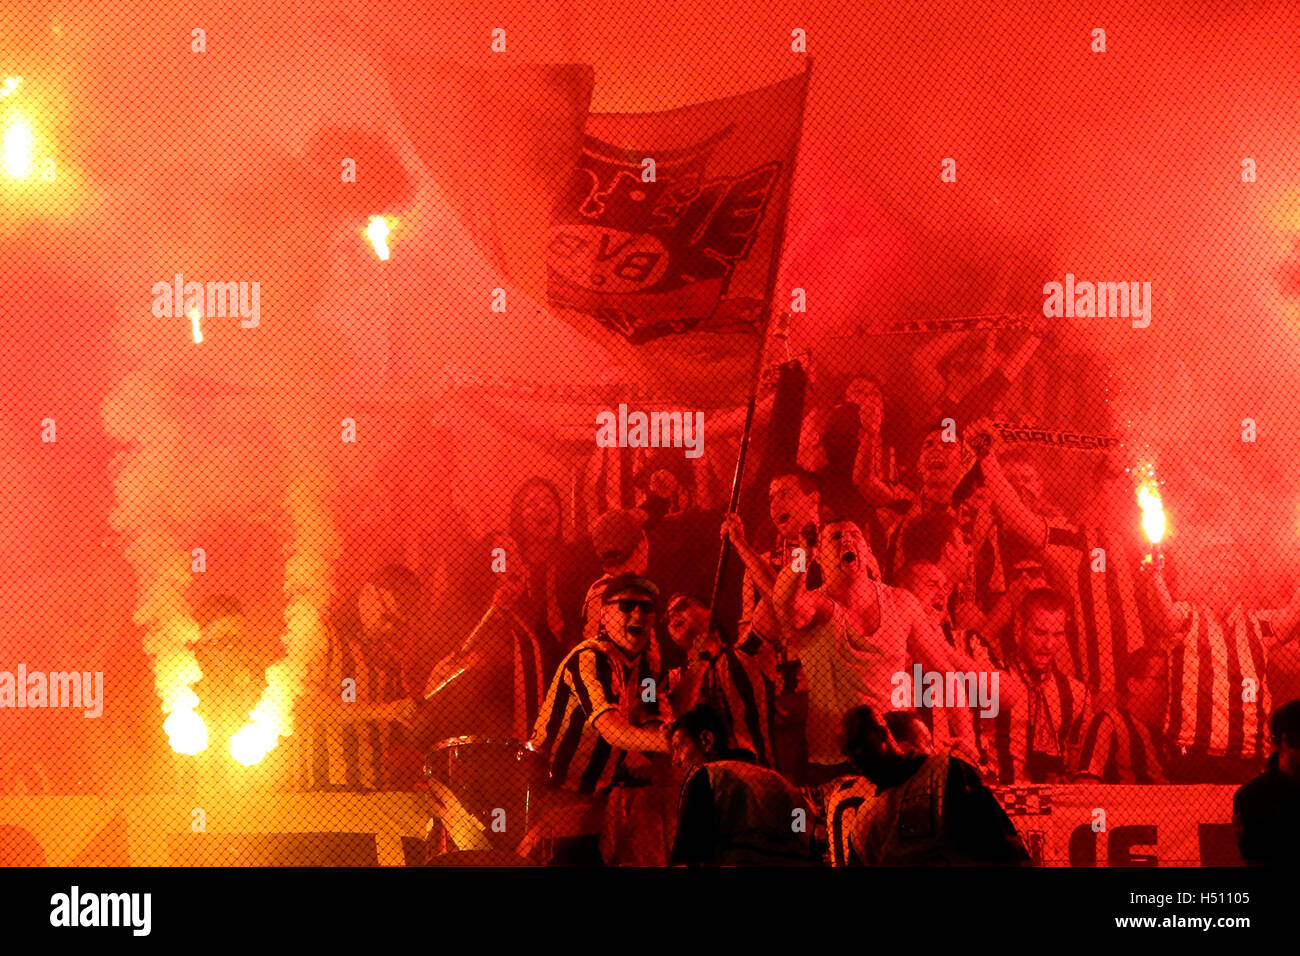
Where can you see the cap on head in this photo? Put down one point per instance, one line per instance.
(616, 535)
(627, 585)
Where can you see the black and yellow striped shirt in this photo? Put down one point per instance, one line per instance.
(740, 684)
(352, 756)
(1118, 748)
(1104, 625)
(594, 679)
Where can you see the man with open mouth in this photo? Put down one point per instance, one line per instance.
(603, 713)
(852, 636)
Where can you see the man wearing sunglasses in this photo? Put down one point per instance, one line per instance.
(603, 712)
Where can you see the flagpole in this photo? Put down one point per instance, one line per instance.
(724, 554)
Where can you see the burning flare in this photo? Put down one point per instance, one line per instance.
(19, 149)
(308, 585)
(377, 232)
(139, 415)
(1148, 495)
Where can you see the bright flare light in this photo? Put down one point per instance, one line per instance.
(19, 150)
(252, 743)
(186, 732)
(195, 315)
(1153, 510)
(377, 233)
(10, 84)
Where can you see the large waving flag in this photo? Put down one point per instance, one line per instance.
(671, 266)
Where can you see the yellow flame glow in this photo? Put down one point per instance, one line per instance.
(377, 232)
(19, 149)
(195, 315)
(252, 743)
(11, 83)
(316, 546)
(186, 732)
(1153, 509)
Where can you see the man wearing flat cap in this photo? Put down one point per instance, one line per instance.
(602, 714)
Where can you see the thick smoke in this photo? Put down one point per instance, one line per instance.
(1120, 166)
(139, 414)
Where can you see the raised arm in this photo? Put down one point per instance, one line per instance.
(796, 607)
(866, 473)
(1173, 618)
(760, 571)
(811, 455)
(1010, 510)
(927, 380)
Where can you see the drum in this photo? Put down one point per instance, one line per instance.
(494, 778)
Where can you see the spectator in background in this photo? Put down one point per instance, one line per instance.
(939, 469)
(926, 810)
(732, 811)
(795, 507)
(995, 550)
(555, 570)
(928, 583)
(936, 539)
(955, 376)
(1126, 744)
(494, 684)
(1028, 572)
(1085, 564)
(357, 735)
(842, 446)
(1218, 649)
(622, 547)
(1043, 711)
(852, 636)
(1266, 810)
(682, 537)
(1022, 471)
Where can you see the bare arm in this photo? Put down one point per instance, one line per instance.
(760, 572)
(866, 476)
(1016, 363)
(925, 366)
(795, 606)
(999, 617)
(1173, 619)
(1010, 510)
(926, 644)
(812, 455)
(617, 732)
